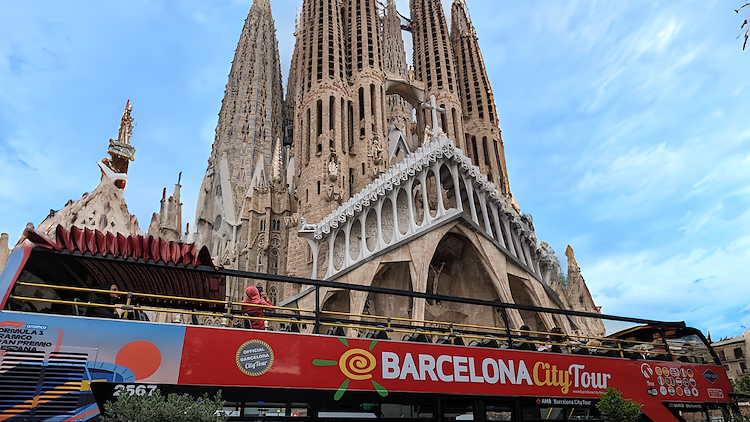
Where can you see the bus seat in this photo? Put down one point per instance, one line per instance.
(490, 343)
(459, 341)
(418, 337)
(336, 331)
(293, 327)
(378, 334)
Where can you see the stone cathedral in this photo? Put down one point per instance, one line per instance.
(368, 171)
(371, 171)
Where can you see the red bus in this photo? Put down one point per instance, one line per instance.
(60, 359)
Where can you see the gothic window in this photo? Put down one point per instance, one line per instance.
(474, 150)
(320, 117)
(372, 100)
(486, 152)
(351, 180)
(260, 261)
(497, 153)
(318, 187)
(217, 225)
(361, 103)
(331, 114)
(443, 120)
(273, 294)
(274, 262)
(306, 130)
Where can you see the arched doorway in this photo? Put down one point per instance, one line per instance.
(393, 275)
(522, 295)
(456, 269)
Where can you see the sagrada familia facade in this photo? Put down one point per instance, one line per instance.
(368, 171)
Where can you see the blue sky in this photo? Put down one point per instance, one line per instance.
(626, 127)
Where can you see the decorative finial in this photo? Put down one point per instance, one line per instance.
(121, 152)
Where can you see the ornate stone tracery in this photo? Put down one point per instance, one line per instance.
(374, 206)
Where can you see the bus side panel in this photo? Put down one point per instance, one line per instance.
(79, 350)
(268, 359)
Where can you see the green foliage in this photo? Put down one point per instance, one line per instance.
(616, 409)
(157, 408)
(741, 384)
(736, 417)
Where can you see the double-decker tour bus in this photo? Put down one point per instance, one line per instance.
(70, 341)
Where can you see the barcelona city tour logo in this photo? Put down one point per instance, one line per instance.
(355, 365)
(254, 357)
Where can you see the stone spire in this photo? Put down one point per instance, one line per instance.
(167, 223)
(368, 141)
(433, 65)
(323, 126)
(398, 111)
(277, 162)
(250, 122)
(483, 142)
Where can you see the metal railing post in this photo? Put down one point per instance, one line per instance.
(228, 314)
(504, 314)
(127, 303)
(316, 326)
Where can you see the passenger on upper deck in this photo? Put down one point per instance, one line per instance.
(105, 299)
(253, 297)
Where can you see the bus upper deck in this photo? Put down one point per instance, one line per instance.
(56, 346)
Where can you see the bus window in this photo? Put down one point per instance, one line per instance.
(498, 412)
(339, 410)
(583, 414)
(300, 410)
(692, 415)
(405, 411)
(689, 348)
(458, 410)
(265, 410)
(715, 415)
(543, 413)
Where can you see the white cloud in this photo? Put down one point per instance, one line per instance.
(709, 287)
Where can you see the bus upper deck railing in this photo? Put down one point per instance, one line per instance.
(385, 327)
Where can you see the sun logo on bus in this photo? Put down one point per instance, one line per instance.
(355, 364)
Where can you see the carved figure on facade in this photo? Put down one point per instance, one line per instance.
(291, 221)
(333, 192)
(377, 155)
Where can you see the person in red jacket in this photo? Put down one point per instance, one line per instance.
(254, 298)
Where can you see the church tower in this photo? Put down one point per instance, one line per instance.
(398, 110)
(323, 102)
(250, 123)
(367, 143)
(483, 140)
(433, 65)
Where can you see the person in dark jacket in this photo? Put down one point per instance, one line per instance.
(105, 299)
(255, 298)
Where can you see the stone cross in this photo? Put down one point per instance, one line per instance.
(435, 110)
